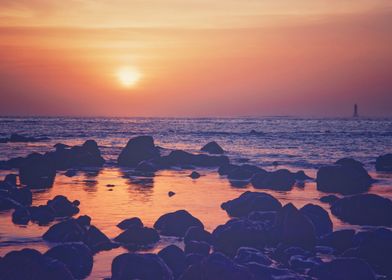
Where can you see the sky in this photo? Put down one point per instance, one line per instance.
(195, 58)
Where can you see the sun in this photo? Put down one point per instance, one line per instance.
(128, 76)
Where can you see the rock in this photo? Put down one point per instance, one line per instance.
(342, 269)
(138, 237)
(21, 195)
(42, 214)
(340, 240)
(97, 241)
(138, 149)
(37, 172)
(185, 159)
(21, 216)
(347, 176)
(176, 223)
(271, 273)
(330, 199)
(302, 264)
(384, 163)
(250, 255)
(226, 168)
(245, 172)
(212, 148)
(10, 179)
(319, 218)
(197, 247)
(147, 167)
(174, 257)
(249, 202)
(66, 231)
(140, 266)
(284, 252)
(6, 203)
(170, 193)
(70, 173)
(193, 259)
(132, 222)
(217, 266)
(197, 233)
(194, 175)
(62, 206)
(293, 228)
(31, 264)
(268, 218)
(282, 180)
(236, 233)
(84, 221)
(364, 209)
(77, 257)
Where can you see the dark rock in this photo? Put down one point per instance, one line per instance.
(251, 201)
(347, 176)
(238, 233)
(340, 240)
(42, 214)
(77, 257)
(245, 172)
(248, 255)
(319, 218)
(212, 148)
(197, 233)
(217, 266)
(21, 216)
(70, 173)
(138, 237)
(138, 149)
(301, 263)
(226, 168)
(31, 264)
(185, 159)
(132, 222)
(97, 241)
(146, 167)
(10, 179)
(37, 172)
(176, 223)
(282, 180)
(330, 199)
(84, 221)
(197, 247)
(364, 209)
(6, 204)
(265, 272)
(384, 163)
(284, 252)
(268, 218)
(195, 175)
(66, 231)
(174, 257)
(21, 195)
(301, 176)
(140, 266)
(62, 206)
(192, 259)
(342, 269)
(170, 193)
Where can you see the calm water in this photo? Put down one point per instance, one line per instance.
(294, 143)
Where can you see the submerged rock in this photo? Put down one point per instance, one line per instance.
(346, 176)
(138, 149)
(282, 179)
(249, 202)
(384, 163)
(176, 223)
(140, 266)
(212, 148)
(195, 175)
(364, 209)
(319, 218)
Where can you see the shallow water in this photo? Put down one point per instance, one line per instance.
(295, 143)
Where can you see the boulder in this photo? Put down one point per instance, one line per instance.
(319, 218)
(174, 257)
(176, 223)
(249, 202)
(21, 216)
(339, 240)
(197, 247)
(251, 255)
(244, 172)
(342, 269)
(66, 231)
(212, 148)
(138, 237)
(42, 214)
(97, 241)
(23, 196)
(77, 257)
(37, 172)
(282, 180)
(384, 163)
(138, 149)
(63, 207)
(140, 266)
(31, 264)
(197, 233)
(184, 159)
(131, 222)
(346, 176)
(364, 209)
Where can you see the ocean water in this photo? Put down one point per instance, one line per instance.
(294, 143)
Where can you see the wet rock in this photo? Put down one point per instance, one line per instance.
(170, 193)
(193, 259)
(42, 214)
(138, 237)
(84, 221)
(330, 199)
(185, 159)
(226, 168)
(21, 195)
(31, 264)
(21, 216)
(245, 172)
(217, 266)
(147, 167)
(138, 149)
(340, 240)
(37, 172)
(250, 255)
(132, 222)
(195, 175)
(70, 173)
(63, 207)
(66, 231)
(249, 202)
(197, 247)
(212, 148)
(174, 257)
(9, 181)
(77, 257)
(343, 268)
(197, 233)
(268, 218)
(271, 273)
(384, 163)
(302, 264)
(282, 180)
(176, 223)
(237, 233)
(97, 241)
(293, 228)
(6, 204)
(364, 209)
(140, 266)
(346, 176)
(319, 218)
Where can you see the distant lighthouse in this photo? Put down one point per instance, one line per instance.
(355, 115)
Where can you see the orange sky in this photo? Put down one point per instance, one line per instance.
(196, 57)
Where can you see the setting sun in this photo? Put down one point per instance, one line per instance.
(128, 76)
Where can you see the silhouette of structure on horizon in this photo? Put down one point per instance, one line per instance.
(355, 115)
